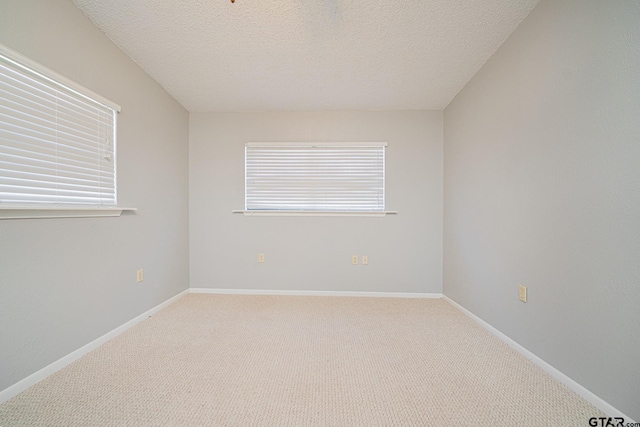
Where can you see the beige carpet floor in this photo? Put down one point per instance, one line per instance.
(219, 360)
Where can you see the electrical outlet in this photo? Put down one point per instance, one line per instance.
(522, 293)
(354, 260)
(139, 276)
(260, 258)
(365, 260)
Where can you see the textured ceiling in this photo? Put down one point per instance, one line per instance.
(259, 55)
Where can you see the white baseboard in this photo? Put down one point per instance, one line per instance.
(43, 373)
(313, 293)
(564, 379)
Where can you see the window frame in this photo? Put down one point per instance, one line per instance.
(32, 209)
(316, 212)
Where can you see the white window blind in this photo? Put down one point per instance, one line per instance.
(315, 177)
(57, 139)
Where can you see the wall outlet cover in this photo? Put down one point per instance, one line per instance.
(522, 293)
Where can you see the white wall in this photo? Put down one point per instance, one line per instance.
(65, 282)
(542, 188)
(314, 253)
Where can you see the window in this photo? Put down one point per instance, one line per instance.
(57, 139)
(327, 177)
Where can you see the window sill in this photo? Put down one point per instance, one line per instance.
(59, 211)
(314, 213)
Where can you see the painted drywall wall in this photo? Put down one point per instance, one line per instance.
(314, 253)
(66, 282)
(541, 188)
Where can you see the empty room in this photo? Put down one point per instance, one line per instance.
(331, 213)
